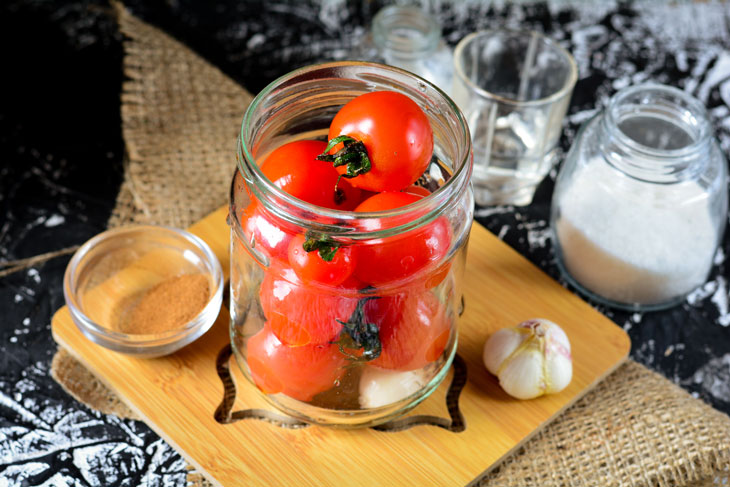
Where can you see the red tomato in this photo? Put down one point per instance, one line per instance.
(383, 261)
(352, 285)
(414, 329)
(293, 168)
(437, 277)
(302, 315)
(387, 200)
(298, 372)
(311, 267)
(264, 234)
(419, 190)
(397, 136)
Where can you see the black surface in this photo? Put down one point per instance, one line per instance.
(61, 156)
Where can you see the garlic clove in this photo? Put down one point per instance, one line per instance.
(500, 346)
(558, 373)
(556, 335)
(380, 387)
(522, 376)
(558, 359)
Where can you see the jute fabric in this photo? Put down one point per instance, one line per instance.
(180, 120)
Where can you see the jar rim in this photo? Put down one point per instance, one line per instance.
(425, 207)
(696, 112)
(565, 90)
(391, 16)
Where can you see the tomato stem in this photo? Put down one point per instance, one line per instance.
(357, 334)
(340, 195)
(324, 245)
(353, 154)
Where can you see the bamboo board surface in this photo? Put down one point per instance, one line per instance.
(178, 394)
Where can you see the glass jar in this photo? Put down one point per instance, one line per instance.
(371, 348)
(407, 37)
(640, 202)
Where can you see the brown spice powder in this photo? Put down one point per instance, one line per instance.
(168, 305)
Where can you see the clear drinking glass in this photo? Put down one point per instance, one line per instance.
(641, 201)
(514, 88)
(289, 337)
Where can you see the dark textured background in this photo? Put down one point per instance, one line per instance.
(61, 155)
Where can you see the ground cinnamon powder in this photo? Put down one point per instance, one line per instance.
(168, 305)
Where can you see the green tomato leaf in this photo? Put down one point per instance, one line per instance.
(358, 334)
(353, 154)
(325, 246)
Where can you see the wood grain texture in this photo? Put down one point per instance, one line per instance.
(177, 395)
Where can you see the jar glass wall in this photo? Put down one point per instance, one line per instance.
(640, 203)
(295, 340)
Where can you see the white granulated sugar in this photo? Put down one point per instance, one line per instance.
(107, 464)
(538, 233)
(502, 232)
(696, 297)
(629, 241)
(54, 220)
(719, 257)
(490, 211)
(720, 299)
(22, 411)
(715, 378)
(60, 480)
(25, 386)
(719, 73)
(18, 474)
(646, 353)
(579, 118)
(35, 275)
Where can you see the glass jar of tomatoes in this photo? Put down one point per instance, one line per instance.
(364, 336)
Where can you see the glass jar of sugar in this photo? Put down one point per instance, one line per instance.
(640, 202)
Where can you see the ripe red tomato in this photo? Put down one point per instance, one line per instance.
(298, 372)
(293, 167)
(387, 200)
(414, 329)
(437, 277)
(397, 136)
(390, 259)
(299, 314)
(265, 233)
(419, 190)
(310, 267)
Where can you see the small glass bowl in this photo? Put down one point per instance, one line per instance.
(108, 275)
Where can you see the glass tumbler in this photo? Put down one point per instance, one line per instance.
(514, 88)
(641, 200)
(371, 348)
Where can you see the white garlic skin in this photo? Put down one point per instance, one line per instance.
(380, 387)
(530, 359)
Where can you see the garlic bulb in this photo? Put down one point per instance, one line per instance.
(530, 359)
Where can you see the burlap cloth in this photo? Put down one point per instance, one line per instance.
(180, 118)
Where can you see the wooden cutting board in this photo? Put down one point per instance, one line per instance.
(178, 394)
